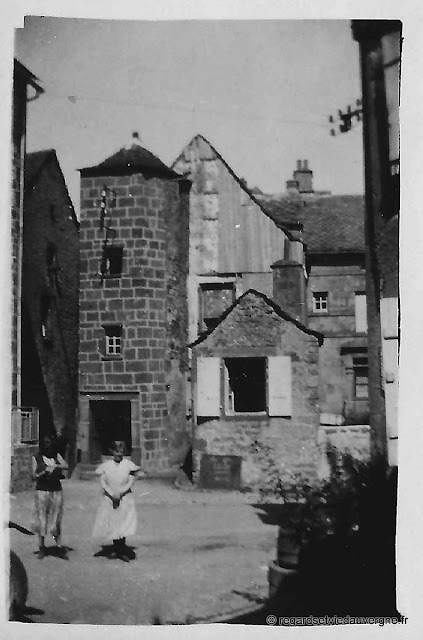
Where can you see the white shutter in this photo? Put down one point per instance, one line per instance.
(280, 386)
(360, 313)
(389, 317)
(208, 387)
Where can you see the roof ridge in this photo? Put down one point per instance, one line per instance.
(50, 154)
(280, 312)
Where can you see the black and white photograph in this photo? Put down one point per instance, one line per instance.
(204, 331)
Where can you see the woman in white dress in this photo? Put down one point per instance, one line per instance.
(116, 516)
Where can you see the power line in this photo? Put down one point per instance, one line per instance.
(74, 99)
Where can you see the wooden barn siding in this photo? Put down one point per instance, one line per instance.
(256, 243)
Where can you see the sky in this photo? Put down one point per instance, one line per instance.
(260, 91)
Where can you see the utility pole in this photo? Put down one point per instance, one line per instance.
(346, 119)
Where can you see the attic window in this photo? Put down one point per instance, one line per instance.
(112, 262)
(245, 385)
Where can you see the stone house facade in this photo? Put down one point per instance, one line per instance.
(25, 86)
(133, 365)
(332, 228)
(233, 240)
(255, 388)
(50, 300)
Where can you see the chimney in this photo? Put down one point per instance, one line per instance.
(292, 187)
(290, 283)
(304, 176)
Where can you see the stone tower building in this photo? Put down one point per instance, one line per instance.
(134, 238)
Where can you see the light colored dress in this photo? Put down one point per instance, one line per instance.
(111, 523)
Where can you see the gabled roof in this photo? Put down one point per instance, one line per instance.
(129, 160)
(287, 206)
(26, 75)
(331, 224)
(279, 311)
(34, 164)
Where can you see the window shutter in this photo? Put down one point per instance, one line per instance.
(208, 387)
(280, 387)
(389, 317)
(360, 313)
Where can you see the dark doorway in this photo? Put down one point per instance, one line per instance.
(109, 420)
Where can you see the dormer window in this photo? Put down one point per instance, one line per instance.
(112, 262)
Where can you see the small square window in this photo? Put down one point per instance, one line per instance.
(112, 262)
(320, 302)
(113, 345)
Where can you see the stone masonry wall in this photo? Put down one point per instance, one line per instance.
(51, 367)
(338, 326)
(18, 135)
(149, 300)
(290, 444)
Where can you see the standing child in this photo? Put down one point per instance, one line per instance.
(116, 517)
(48, 468)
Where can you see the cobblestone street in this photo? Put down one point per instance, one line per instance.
(200, 555)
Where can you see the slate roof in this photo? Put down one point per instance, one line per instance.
(331, 224)
(278, 310)
(129, 160)
(33, 164)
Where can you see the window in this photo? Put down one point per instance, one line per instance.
(249, 386)
(53, 268)
(112, 262)
(46, 320)
(25, 425)
(360, 312)
(361, 378)
(245, 383)
(113, 340)
(214, 300)
(320, 302)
